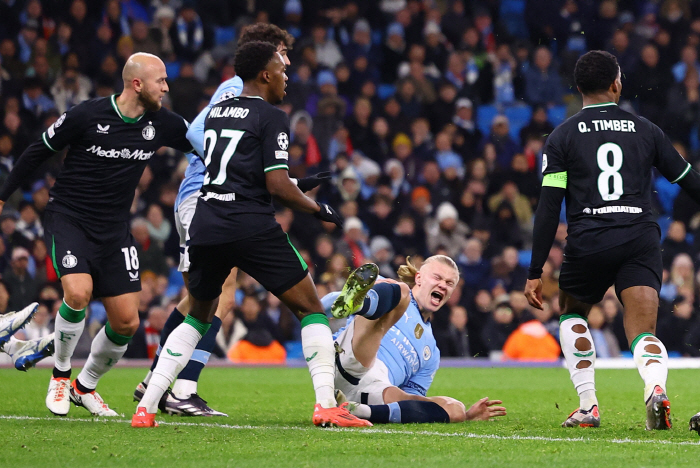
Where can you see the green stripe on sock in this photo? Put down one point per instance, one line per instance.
(301, 259)
(201, 327)
(571, 316)
(53, 257)
(71, 315)
(636, 340)
(115, 337)
(314, 318)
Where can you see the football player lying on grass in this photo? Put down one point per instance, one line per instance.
(386, 356)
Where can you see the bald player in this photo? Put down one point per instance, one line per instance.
(110, 142)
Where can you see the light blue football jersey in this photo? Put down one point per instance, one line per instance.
(408, 349)
(194, 174)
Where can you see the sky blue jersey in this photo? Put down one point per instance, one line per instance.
(408, 350)
(194, 175)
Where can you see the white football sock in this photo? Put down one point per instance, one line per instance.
(66, 340)
(651, 359)
(319, 352)
(183, 388)
(173, 358)
(583, 378)
(104, 353)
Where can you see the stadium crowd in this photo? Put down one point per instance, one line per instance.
(431, 117)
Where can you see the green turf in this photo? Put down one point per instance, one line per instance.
(270, 425)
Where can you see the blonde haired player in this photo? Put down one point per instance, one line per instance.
(386, 355)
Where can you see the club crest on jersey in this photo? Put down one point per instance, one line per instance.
(60, 120)
(69, 261)
(148, 132)
(103, 129)
(418, 331)
(283, 141)
(426, 353)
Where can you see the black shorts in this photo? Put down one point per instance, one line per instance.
(109, 256)
(269, 257)
(637, 262)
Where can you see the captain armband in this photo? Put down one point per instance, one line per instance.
(558, 179)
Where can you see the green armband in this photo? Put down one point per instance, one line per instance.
(558, 179)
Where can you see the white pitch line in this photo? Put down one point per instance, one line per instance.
(467, 435)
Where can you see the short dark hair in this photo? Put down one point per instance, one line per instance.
(252, 58)
(595, 71)
(266, 32)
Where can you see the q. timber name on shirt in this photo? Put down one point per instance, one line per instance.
(626, 126)
(235, 112)
(124, 153)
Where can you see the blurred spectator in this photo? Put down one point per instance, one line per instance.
(683, 107)
(39, 326)
(542, 82)
(159, 228)
(682, 275)
(675, 243)
(71, 88)
(408, 238)
(353, 245)
(649, 84)
(521, 205)
(29, 224)
(327, 51)
(454, 342)
(382, 253)
(498, 327)
(157, 316)
(505, 229)
(531, 341)
(604, 339)
(43, 263)
(150, 254)
(504, 146)
(446, 231)
(186, 92)
(538, 126)
(189, 35)
(259, 344)
(10, 235)
(23, 288)
(473, 268)
(504, 65)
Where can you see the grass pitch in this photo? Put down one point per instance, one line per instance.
(270, 425)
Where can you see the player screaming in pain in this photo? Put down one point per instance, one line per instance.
(600, 161)
(386, 355)
(184, 398)
(86, 224)
(246, 142)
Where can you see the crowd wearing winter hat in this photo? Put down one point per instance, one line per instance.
(431, 117)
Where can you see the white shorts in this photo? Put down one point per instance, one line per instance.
(183, 219)
(356, 381)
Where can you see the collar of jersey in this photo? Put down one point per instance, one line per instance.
(590, 106)
(113, 100)
(413, 300)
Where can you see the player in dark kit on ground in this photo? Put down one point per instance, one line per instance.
(245, 143)
(111, 140)
(600, 161)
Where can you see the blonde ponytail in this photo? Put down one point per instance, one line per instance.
(407, 273)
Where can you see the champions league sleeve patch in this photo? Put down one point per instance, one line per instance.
(283, 141)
